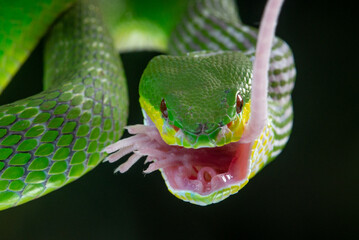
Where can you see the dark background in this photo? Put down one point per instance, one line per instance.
(310, 190)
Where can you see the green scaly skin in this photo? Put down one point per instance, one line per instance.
(211, 65)
(138, 24)
(214, 53)
(22, 24)
(185, 82)
(53, 138)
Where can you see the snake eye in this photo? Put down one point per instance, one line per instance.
(239, 105)
(163, 108)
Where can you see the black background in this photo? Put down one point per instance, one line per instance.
(310, 190)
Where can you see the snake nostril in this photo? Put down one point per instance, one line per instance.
(204, 128)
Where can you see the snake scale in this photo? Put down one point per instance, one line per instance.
(55, 137)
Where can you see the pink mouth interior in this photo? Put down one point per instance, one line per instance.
(203, 170)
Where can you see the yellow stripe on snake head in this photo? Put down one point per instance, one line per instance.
(231, 132)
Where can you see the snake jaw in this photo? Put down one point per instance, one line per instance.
(217, 137)
(208, 175)
(210, 183)
(200, 176)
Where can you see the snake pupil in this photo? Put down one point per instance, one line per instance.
(239, 103)
(164, 109)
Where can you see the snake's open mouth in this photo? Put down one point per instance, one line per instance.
(206, 170)
(196, 171)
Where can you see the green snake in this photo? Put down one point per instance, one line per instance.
(209, 123)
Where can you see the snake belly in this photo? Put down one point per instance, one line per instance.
(54, 137)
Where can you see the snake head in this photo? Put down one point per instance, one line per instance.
(198, 100)
(195, 109)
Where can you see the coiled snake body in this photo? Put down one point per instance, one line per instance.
(196, 106)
